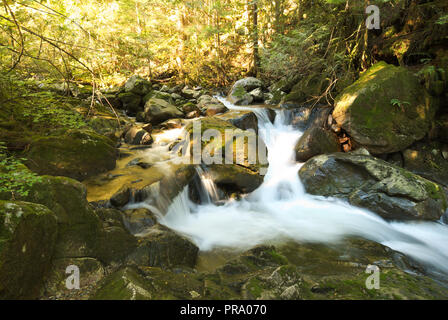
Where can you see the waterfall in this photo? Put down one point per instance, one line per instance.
(207, 188)
(280, 209)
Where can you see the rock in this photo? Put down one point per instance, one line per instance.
(137, 136)
(157, 111)
(161, 247)
(305, 118)
(188, 93)
(104, 125)
(125, 284)
(132, 283)
(241, 119)
(315, 141)
(237, 153)
(112, 99)
(158, 95)
(137, 85)
(385, 110)
(210, 106)
(239, 93)
(193, 114)
(138, 220)
(189, 107)
(257, 95)
(28, 234)
(121, 197)
(131, 102)
(427, 161)
(368, 182)
(73, 153)
(234, 179)
(176, 96)
(171, 124)
(91, 272)
(81, 231)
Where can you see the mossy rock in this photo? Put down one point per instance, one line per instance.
(28, 234)
(388, 190)
(385, 110)
(73, 153)
(220, 149)
(150, 283)
(315, 141)
(131, 102)
(158, 111)
(162, 247)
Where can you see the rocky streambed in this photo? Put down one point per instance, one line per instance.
(336, 193)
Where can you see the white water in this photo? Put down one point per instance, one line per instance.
(281, 210)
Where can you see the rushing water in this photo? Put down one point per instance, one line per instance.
(281, 210)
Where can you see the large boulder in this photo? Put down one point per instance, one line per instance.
(315, 141)
(385, 110)
(157, 111)
(82, 233)
(239, 93)
(162, 247)
(249, 151)
(368, 182)
(73, 153)
(28, 234)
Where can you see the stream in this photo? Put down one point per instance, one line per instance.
(280, 210)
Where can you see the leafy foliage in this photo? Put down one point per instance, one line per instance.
(15, 178)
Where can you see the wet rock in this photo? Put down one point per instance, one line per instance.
(138, 220)
(210, 106)
(28, 234)
(137, 136)
(241, 119)
(193, 114)
(162, 247)
(121, 197)
(315, 141)
(386, 110)
(368, 182)
(72, 153)
(234, 179)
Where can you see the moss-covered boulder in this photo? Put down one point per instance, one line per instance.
(241, 119)
(158, 110)
(28, 234)
(91, 271)
(315, 141)
(239, 93)
(162, 247)
(76, 154)
(150, 283)
(223, 143)
(385, 110)
(82, 232)
(368, 182)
